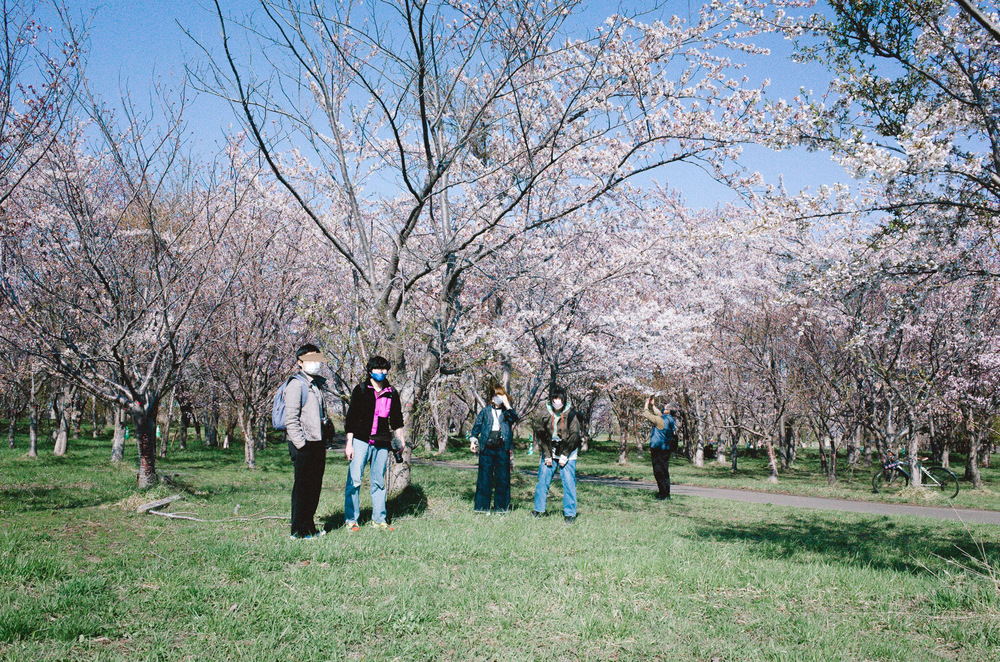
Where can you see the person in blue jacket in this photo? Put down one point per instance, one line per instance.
(492, 436)
(661, 444)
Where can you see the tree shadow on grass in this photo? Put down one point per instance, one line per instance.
(881, 543)
(36, 498)
(411, 501)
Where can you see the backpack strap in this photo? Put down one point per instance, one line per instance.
(305, 391)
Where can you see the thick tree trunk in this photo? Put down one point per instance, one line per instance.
(247, 424)
(972, 460)
(821, 439)
(831, 475)
(33, 421)
(145, 436)
(63, 412)
(772, 461)
(784, 442)
(165, 436)
(95, 432)
(183, 435)
(230, 429)
(854, 445)
(699, 421)
(913, 449)
(212, 429)
(196, 421)
(76, 418)
(440, 427)
(118, 440)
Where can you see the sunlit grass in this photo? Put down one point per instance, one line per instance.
(82, 576)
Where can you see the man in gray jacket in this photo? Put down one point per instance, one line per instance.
(304, 418)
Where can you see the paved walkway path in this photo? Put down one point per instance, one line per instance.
(747, 496)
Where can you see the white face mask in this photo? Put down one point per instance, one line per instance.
(497, 400)
(557, 404)
(311, 367)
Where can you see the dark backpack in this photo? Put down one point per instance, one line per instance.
(278, 408)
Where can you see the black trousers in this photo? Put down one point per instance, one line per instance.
(310, 464)
(494, 474)
(661, 470)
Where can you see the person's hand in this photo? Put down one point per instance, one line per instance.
(506, 401)
(473, 445)
(349, 450)
(649, 402)
(563, 460)
(548, 461)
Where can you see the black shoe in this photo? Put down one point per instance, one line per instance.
(537, 514)
(570, 519)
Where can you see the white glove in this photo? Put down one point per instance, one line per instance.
(563, 460)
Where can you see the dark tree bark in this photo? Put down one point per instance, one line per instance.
(145, 434)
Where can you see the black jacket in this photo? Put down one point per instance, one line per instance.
(361, 411)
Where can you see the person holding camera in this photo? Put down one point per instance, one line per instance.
(558, 432)
(492, 437)
(305, 425)
(374, 424)
(661, 443)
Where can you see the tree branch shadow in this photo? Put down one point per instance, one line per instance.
(879, 543)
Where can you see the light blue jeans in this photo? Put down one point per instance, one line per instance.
(363, 453)
(567, 475)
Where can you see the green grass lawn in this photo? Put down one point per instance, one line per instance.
(83, 577)
(805, 477)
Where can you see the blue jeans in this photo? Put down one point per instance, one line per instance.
(567, 475)
(363, 453)
(494, 473)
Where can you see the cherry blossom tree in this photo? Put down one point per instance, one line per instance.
(115, 274)
(442, 131)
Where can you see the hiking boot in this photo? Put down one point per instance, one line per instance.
(352, 526)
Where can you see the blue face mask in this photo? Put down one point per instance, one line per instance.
(379, 376)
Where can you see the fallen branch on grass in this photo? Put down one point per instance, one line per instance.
(152, 506)
(227, 519)
(159, 503)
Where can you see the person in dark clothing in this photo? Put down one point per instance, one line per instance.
(305, 418)
(492, 436)
(374, 424)
(661, 443)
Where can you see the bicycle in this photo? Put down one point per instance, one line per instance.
(892, 477)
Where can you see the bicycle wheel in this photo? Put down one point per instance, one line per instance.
(888, 481)
(939, 478)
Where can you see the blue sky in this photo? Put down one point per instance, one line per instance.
(133, 44)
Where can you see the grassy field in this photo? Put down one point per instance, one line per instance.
(83, 577)
(805, 477)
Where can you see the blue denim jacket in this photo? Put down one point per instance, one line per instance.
(663, 439)
(484, 424)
